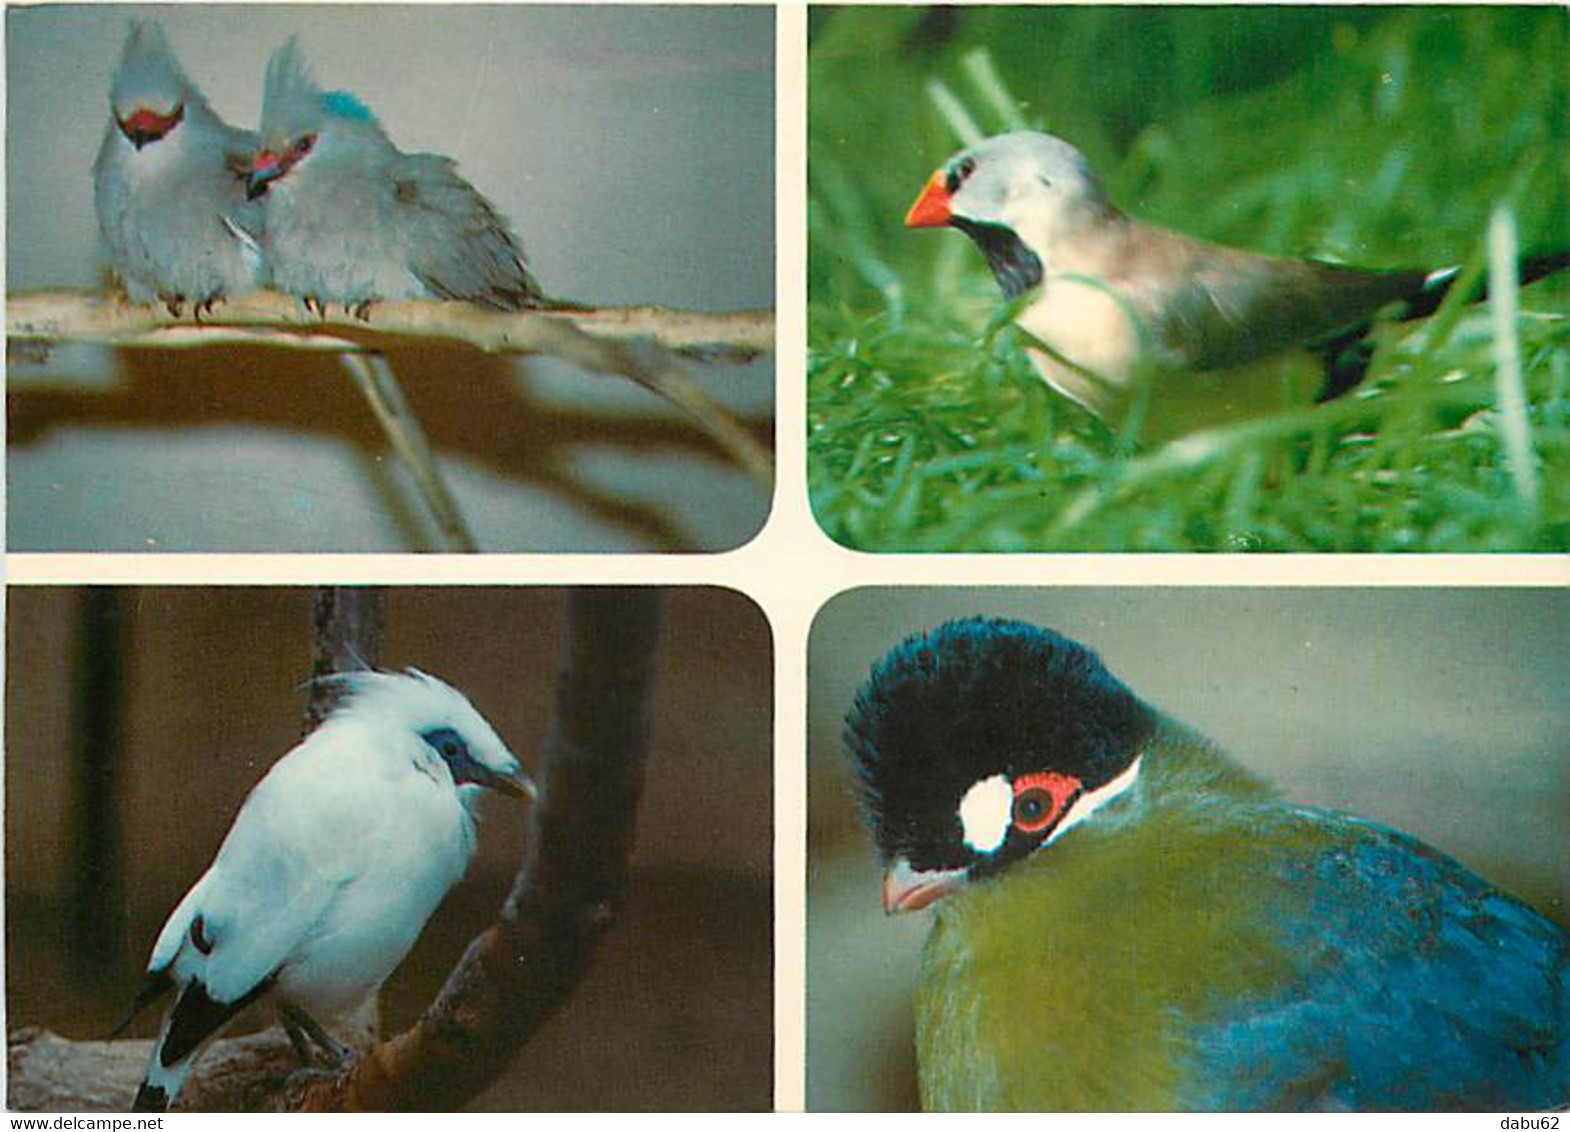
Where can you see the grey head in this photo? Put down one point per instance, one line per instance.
(151, 95)
(1017, 196)
(300, 120)
(994, 180)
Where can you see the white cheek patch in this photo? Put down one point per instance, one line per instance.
(984, 813)
(1087, 804)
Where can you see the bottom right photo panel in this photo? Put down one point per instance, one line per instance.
(1175, 848)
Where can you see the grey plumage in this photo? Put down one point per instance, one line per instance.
(169, 185)
(351, 219)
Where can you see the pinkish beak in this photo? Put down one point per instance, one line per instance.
(266, 168)
(909, 890)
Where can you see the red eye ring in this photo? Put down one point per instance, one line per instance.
(1040, 800)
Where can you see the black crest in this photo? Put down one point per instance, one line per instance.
(971, 699)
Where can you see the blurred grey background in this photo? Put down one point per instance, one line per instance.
(631, 147)
(1440, 712)
(676, 1011)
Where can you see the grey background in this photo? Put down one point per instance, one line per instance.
(1439, 712)
(631, 147)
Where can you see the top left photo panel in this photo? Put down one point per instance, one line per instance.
(434, 278)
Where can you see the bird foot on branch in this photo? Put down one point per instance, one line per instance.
(303, 1081)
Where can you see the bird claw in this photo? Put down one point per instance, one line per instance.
(308, 1038)
(300, 1082)
(205, 307)
(175, 305)
(360, 310)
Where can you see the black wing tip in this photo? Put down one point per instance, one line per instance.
(526, 298)
(543, 302)
(150, 1098)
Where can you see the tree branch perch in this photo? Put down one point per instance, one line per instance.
(638, 343)
(271, 318)
(512, 977)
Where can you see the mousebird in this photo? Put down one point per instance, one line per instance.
(351, 219)
(169, 186)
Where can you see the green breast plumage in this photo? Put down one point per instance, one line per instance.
(1076, 980)
(1241, 953)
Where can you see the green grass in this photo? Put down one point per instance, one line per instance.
(1386, 137)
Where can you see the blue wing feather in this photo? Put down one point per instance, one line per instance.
(1419, 987)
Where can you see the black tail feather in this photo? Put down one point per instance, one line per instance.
(1529, 269)
(150, 1098)
(1348, 353)
(196, 1016)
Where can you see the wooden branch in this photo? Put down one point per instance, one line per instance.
(93, 815)
(272, 319)
(346, 636)
(512, 977)
(48, 1073)
(637, 343)
(517, 972)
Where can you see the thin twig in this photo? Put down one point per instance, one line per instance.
(376, 380)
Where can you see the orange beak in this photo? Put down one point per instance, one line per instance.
(931, 209)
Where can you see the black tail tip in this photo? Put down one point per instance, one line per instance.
(1537, 265)
(150, 1098)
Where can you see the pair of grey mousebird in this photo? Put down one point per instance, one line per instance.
(318, 203)
(1127, 313)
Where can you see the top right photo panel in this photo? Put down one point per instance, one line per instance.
(1151, 279)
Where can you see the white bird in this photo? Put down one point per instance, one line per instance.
(340, 854)
(169, 185)
(1128, 315)
(351, 219)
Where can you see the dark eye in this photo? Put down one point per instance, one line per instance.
(447, 743)
(960, 173)
(303, 146)
(1033, 809)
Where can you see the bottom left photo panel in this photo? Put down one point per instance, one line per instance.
(352, 848)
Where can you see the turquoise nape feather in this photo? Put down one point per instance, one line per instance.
(1125, 919)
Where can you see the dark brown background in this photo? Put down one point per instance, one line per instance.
(677, 1008)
